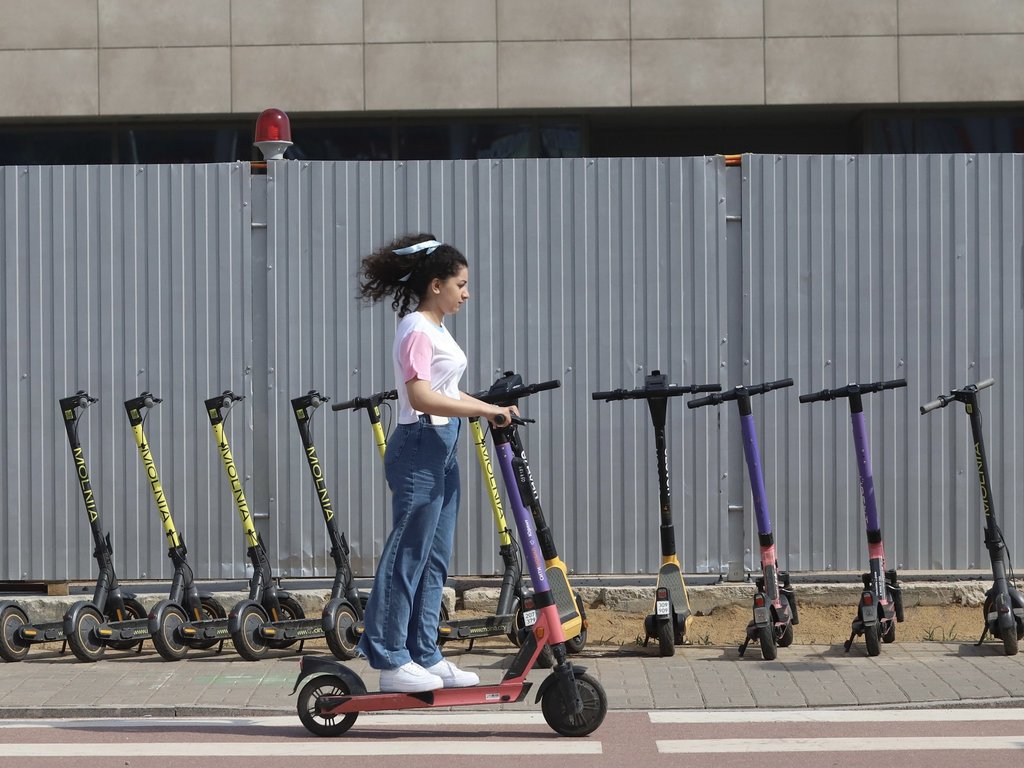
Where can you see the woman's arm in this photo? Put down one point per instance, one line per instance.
(426, 400)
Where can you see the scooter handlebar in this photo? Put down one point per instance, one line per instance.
(956, 395)
(671, 390)
(509, 396)
(814, 397)
(366, 402)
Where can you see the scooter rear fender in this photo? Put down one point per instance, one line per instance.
(312, 666)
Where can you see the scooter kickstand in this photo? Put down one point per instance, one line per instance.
(848, 643)
(984, 633)
(743, 648)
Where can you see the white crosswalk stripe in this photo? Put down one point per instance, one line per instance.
(862, 744)
(292, 749)
(858, 715)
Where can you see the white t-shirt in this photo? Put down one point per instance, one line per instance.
(428, 352)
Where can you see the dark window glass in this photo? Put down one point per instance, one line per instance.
(561, 140)
(183, 145)
(340, 143)
(56, 147)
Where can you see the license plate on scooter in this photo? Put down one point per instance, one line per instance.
(661, 607)
(529, 618)
(761, 615)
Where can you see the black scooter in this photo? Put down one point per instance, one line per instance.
(1003, 611)
(187, 618)
(252, 623)
(672, 615)
(88, 626)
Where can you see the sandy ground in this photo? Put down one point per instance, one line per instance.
(818, 625)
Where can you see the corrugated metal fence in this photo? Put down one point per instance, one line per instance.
(189, 280)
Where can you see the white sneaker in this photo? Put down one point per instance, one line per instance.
(409, 678)
(452, 676)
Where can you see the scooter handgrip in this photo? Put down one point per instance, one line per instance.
(616, 394)
(706, 388)
(500, 419)
(985, 384)
(544, 386)
(701, 401)
(780, 384)
(814, 397)
(931, 406)
(894, 384)
(355, 402)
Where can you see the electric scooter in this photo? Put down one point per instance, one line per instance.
(672, 615)
(187, 618)
(344, 609)
(510, 596)
(1003, 611)
(89, 626)
(775, 610)
(881, 603)
(506, 391)
(573, 702)
(254, 623)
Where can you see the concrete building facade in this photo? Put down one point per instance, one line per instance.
(745, 67)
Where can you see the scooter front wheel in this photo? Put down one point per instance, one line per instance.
(247, 640)
(342, 638)
(316, 722)
(83, 639)
(557, 711)
(167, 639)
(11, 621)
(872, 639)
(666, 638)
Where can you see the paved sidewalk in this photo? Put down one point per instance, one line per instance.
(47, 684)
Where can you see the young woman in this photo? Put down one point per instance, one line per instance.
(426, 280)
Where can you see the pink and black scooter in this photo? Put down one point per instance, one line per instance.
(775, 610)
(881, 602)
(573, 703)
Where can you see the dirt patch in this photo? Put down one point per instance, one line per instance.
(819, 625)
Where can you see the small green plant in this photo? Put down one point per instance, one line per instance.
(940, 634)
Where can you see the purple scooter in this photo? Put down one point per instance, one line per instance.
(775, 610)
(881, 602)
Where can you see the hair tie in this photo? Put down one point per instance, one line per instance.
(429, 246)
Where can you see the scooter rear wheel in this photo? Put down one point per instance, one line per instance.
(556, 709)
(316, 723)
(786, 637)
(1010, 638)
(83, 640)
(666, 638)
(576, 644)
(290, 611)
(211, 609)
(133, 609)
(11, 621)
(342, 638)
(167, 639)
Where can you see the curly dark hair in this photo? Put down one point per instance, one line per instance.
(406, 278)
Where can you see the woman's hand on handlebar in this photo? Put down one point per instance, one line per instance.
(502, 416)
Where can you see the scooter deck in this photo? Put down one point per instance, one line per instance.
(671, 578)
(487, 626)
(502, 693)
(568, 612)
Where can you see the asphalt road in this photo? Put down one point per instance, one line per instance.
(910, 738)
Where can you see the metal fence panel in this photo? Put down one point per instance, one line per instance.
(119, 279)
(593, 272)
(860, 268)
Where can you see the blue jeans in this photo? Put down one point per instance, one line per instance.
(404, 608)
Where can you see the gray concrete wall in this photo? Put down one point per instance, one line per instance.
(80, 58)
